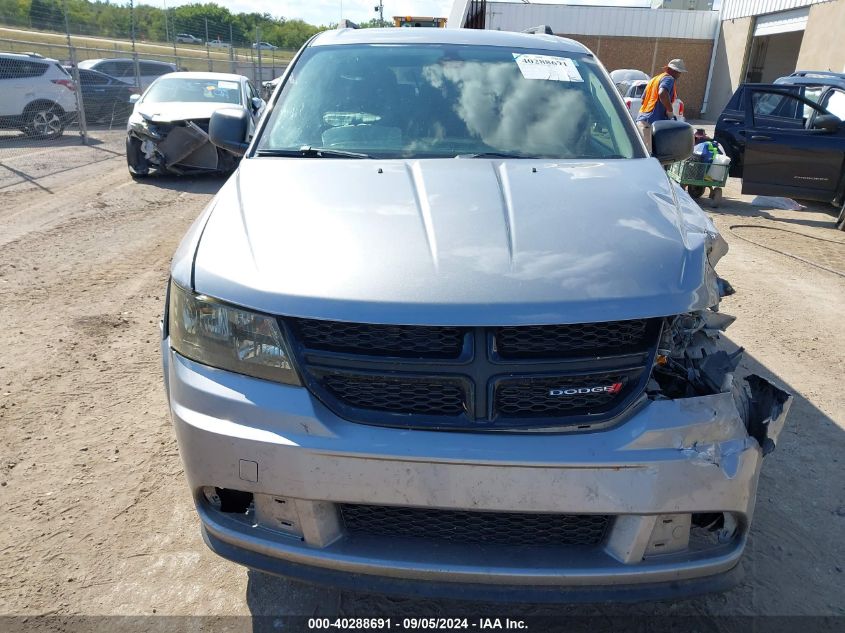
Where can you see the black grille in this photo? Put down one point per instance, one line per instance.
(440, 377)
(564, 341)
(403, 341)
(559, 396)
(505, 528)
(397, 395)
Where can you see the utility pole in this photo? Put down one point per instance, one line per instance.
(232, 50)
(257, 44)
(80, 106)
(166, 26)
(380, 10)
(134, 52)
(207, 49)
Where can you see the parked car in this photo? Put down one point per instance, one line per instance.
(264, 46)
(124, 69)
(788, 138)
(37, 95)
(472, 349)
(625, 76)
(167, 131)
(187, 38)
(103, 97)
(268, 87)
(633, 97)
(218, 43)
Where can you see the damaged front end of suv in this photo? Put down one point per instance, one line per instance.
(488, 364)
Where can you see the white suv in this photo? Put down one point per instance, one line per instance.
(37, 95)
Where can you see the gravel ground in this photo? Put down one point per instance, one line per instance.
(98, 519)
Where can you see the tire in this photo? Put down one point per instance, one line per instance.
(695, 191)
(840, 221)
(45, 120)
(136, 162)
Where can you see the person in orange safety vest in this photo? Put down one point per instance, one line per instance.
(659, 95)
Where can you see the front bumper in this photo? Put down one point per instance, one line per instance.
(668, 460)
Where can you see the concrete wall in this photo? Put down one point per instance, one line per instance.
(781, 55)
(651, 55)
(729, 65)
(822, 47)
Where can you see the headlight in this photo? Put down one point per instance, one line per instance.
(226, 337)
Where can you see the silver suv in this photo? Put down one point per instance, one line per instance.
(450, 328)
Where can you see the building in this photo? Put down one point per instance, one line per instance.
(761, 40)
(622, 37)
(684, 5)
(746, 40)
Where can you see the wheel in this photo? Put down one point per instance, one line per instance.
(695, 191)
(840, 221)
(716, 196)
(45, 121)
(139, 166)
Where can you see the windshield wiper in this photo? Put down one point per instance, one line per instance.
(493, 155)
(311, 152)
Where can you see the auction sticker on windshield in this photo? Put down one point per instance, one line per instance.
(547, 67)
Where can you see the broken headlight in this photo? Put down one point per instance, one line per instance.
(227, 337)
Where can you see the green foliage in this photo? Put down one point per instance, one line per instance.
(112, 19)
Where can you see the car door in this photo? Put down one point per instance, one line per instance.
(14, 92)
(785, 155)
(94, 96)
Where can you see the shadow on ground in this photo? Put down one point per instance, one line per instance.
(789, 568)
(198, 183)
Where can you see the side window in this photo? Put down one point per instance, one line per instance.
(154, 70)
(10, 68)
(639, 91)
(89, 78)
(125, 69)
(33, 69)
(835, 103)
(109, 68)
(777, 110)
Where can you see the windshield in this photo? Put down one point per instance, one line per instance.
(193, 90)
(423, 101)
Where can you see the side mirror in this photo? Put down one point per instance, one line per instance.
(257, 103)
(228, 129)
(827, 122)
(134, 98)
(671, 141)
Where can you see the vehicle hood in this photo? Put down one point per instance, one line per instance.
(454, 241)
(178, 111)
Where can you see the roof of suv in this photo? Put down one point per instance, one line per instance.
(813, 78)
(448, 36)
(87, 63)
(31, 57)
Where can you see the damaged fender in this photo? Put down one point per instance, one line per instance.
(691, 364)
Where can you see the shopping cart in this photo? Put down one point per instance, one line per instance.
(698, 176)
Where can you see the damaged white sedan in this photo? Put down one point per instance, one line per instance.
(168, 129)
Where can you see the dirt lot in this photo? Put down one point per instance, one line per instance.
(97, 515)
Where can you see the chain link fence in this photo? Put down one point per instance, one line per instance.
(51, 99)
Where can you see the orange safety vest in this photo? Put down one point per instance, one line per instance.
(652, 89)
